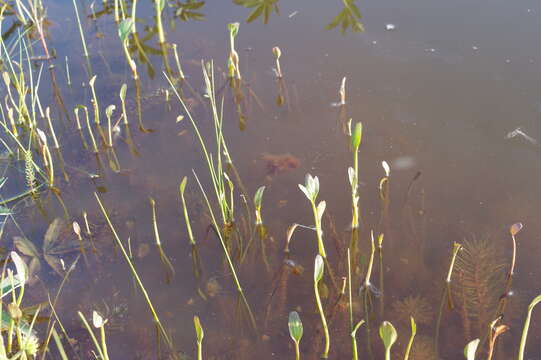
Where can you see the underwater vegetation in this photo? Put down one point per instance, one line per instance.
(93, 178)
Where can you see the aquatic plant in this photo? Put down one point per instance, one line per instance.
(446, 294)
(311, 190)
(182, 188)
(233, 61)
(412, 338)
(479, 285)
(134, 273)
(109, 113)
(258, 198)
(81, 33)
(349, 17)
(526, 327)
(124, 30)
(295, 331)
(353, 173)
(353, 327)
(388, 336)
(319, 267)
(277, 54)
(495, 331)
(177, 60)
(514, 230)
(159, 5)
(170, 269)
(470, 349)
(413, 306)
(199, 334)
(53, 247)
(215, 164)
(261, 8)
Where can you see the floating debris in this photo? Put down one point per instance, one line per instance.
(293, 14)
(390, 27)
(519, 132)
(403, 163)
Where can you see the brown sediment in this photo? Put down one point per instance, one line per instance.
(279, 163)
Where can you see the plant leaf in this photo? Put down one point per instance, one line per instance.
(470, 349)
(319, 267)
(388, 334)
(295, 326)
(321, 209)
(25, 246)
(259, 196)
(198, 329)
(124, 29)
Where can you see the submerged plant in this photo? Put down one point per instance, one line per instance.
(54, 246)
(319, 267)
(447, 293)
(295, 331)
(413, 306)
(311, 190)
(478, 285)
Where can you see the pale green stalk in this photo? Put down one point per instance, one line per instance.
(318, 274)
(226, 252)
(526, 328)
(95, 101)
(48, 116)
(85, 50)
(135, 275)
(182, 188)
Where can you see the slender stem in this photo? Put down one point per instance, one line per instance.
(323, 322)
(446, 293)
(319, 232)
(297, 351)
(80, 29)
(527, 327)
(226, 252)
(135, 275)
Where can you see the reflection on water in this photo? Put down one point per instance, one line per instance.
(437, 96)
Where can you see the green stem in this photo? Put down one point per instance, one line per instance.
(323, 321)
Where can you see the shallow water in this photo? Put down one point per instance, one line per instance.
(437, 95)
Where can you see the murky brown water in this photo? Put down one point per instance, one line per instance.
(437, 95)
